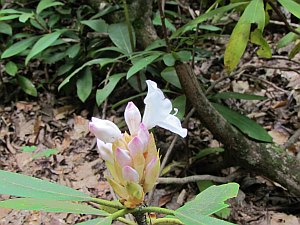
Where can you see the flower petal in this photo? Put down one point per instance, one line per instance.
(158, 109)
(105, 150)
(122, 157)
(130, 174)
(144, 135)
(172, 123)
(132, 117)
(136, 146)
(105, 130)
(151, 173)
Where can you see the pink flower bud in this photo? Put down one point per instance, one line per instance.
(132, 117)
(151, 173)
(130, 174)
(136, 147)
(143, 134)
(122, 157)
(105, 130)
(105, 150)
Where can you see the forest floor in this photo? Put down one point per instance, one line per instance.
(66, 152)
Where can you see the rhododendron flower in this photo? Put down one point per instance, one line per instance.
(132, 159)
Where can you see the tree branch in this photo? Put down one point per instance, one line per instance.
(264, 158)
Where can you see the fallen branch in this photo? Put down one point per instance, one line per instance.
(264, 158)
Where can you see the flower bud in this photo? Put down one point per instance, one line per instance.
(122, 157)
(143, 134)
(105, 150)
(130, 174)
(151, 174)
(132, 117)
(105, 130)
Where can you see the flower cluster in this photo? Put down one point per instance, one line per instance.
(132, 159)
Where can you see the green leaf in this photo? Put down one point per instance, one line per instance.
(294, 51)
(287, 39)
(30, 187)
(103, 93)
(44, 4)
(179, 103)
(257, 38)
(101, 61)
(18, 47)
(98, 221)
(156, 44)
(11, 68)
(25, 16)
(194, 23)
(27, 86)
(236, 45)
(28, 148)
(236, 95)
(10, 17)
(206, 203)
(84, 84)
(5, 28)
(292, 6)
(73, 50)
(254, 13)
(43, 43)
(47, 205)
(142, 63)
(243, 123)
(46, 153)
(97, 25)
(119, 35)
(169, 59)
(183, 56)
(169, 74)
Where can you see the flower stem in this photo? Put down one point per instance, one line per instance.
(140, 217)
(158, 210)
(116, 205)
(167, 221)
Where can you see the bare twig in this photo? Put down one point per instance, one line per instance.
(195, 178)
(283, 58)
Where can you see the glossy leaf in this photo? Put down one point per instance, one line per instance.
(44, 4)
(194, 23)
(18, 47)
(257, 38)
(287, 39)
(30, 187)
(292, 6)
(97, 25)
(5, 28)
(103, 93)
(207, 203)
(11, 68)
(169, 74)
(142, 63)
(119, 35)
(244, 124)
(98, 221)
(47, 205)
(84, 84)
(43, 43)
(179, 103)
(26, 85)
(73, 50)
(101, 61)
(169, 59)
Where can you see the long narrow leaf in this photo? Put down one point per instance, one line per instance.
(30, 187)
(47, 205)
(98, 221)
(244, 124)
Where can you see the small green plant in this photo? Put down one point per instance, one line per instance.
(43, 153)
